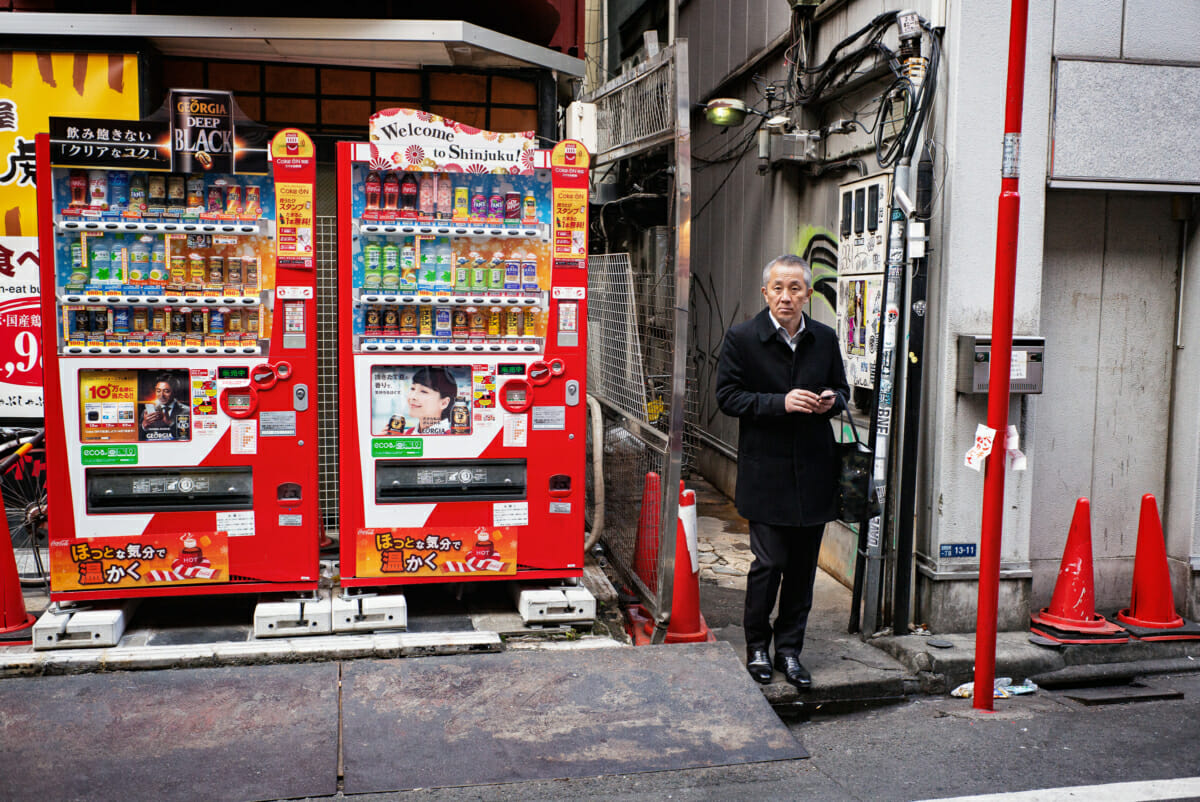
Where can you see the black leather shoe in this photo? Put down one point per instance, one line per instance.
(758, 663)
(793, 670)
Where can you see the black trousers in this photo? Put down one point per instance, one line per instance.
(783, 556)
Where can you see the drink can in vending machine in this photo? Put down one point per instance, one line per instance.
(442, 323)
(460, 324)
(529, 274)
(391, 321)
(195, 192)
(121, 320)
(512, 275)
(476, 321)
(495, 321)
(216, 269)
(196, 268)
(408, 322)
(233, 199)
(236, 317)
(512, 322)
(215, 199)
(253, 201)
(512, 208)
(462, 203)
(425, 321)
(178, 268)
(373, 323)
(233, 270)
(529, 324)
(252, 323)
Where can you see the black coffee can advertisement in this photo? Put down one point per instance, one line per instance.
(202, 131)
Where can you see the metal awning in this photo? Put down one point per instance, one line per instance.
(383, 44)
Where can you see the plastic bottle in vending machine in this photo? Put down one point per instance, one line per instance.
(391, 268)
(371, 187)
(512, 209)
(98, 189)
(408, 197)
(496, 274)
(445, 269)
(479, 272)
(391, 192)
(479, 202)
(445, 196)
(372, 266)
(137, 193)
(100, 259)
(139, 261)
(78, 184)
(427, 272)
(495, 213)
(78, 276)
(408, 266)
(118, 190)
(528, 209)
(462, 275)
(158, 262)
(426, 197)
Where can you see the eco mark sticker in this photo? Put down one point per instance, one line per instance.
(397, 447)
(109, 455)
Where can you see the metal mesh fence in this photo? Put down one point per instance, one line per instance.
(327, 375)
(636, 110)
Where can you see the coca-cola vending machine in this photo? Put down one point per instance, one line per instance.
(461, 346)
(179, 320)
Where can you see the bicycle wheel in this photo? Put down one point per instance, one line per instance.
(23, 488)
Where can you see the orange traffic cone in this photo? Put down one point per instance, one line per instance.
(687, 624)
(645, 553)
(1151, 612)
(1071, 616)
(15, 624)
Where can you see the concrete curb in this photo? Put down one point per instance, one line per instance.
(941, 670)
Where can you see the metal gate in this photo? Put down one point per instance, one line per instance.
(638, 329)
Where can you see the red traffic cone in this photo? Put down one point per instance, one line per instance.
(15, 624)
(687, 624)
(1071, 616)
(1151, 612)
(645, 553)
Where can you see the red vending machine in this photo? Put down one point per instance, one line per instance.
(462, 342)
(178, 311)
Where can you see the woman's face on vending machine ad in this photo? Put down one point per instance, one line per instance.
(426, 403)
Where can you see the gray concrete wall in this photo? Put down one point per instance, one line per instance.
(1103, 425)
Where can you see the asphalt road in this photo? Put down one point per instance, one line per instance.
(927, 748)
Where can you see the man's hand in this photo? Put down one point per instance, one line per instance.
(798, 400)
(154, 420)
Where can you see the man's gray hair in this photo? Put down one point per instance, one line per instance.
(788, 260)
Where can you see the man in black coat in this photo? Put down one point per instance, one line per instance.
(781, 376)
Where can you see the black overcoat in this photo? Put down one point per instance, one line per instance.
(786, 463)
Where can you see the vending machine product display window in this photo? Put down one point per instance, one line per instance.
(462, 259)
(179, 266)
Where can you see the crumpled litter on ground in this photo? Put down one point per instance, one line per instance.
(1003, 688)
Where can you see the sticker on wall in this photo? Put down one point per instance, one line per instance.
(549, 418)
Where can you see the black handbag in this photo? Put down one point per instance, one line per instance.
(856, 497)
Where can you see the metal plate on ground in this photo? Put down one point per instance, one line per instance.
(1121, 694)
(516, 716)
(250, 732)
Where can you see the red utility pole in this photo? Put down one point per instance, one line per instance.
(1001, 362)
